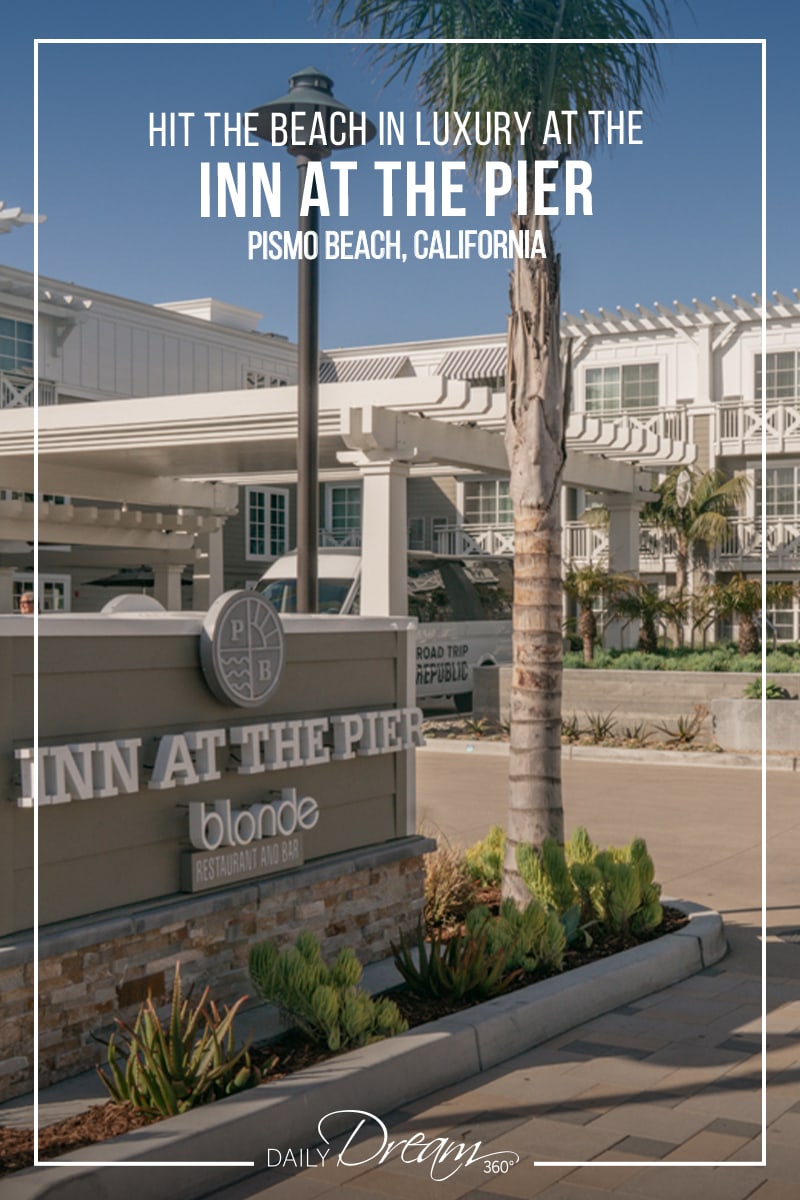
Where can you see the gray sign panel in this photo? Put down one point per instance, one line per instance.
(203, 870)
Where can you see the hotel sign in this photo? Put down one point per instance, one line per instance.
(242, 648)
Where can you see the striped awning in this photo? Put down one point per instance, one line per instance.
(485, 362)
(356, 370)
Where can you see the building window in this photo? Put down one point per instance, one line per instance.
(28, 496)
(266, 522)
(260, 379)
(343, 509)
(782, 369)
(616, 389)
(487, 502)
(416, 533)
(54, 591)
(782, 624)
(780, 495)
(16, 345)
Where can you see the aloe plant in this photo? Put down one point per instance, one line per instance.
(463, 968)
(190, 1061)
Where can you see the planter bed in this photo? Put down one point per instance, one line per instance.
(378, 1078)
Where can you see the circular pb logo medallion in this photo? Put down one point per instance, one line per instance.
(242, 648)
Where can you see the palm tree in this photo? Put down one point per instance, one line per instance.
(640, 603)
(586, 585)
(704, 518)
(529, 73)
(741, 596)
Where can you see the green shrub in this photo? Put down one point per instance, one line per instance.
(450, 888)
(584, 886)
(529, 938)
(484, 860)
(325, 1002)
(461, 969)
(773, 691)
(190, 1061)
(722, 656)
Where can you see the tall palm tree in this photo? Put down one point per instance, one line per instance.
(529, 73)
(704, 518)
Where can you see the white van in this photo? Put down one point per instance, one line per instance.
(462, 604)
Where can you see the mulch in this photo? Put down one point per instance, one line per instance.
(293, 1051)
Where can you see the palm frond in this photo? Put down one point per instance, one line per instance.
(532, 72)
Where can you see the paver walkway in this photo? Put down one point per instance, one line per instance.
(674, 1077)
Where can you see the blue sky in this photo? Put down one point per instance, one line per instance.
(675, 218)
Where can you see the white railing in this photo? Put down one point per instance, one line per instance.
(740, 425)
(582, 544)
(340, 537)
(474, 539)
(744, 542)
(666, 422)
(16, 391)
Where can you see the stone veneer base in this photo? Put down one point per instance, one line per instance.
(95, 969)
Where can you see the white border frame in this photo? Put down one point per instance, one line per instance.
(374, 41)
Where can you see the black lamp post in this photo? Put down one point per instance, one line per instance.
(308, 108)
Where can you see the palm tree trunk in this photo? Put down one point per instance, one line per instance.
(587, 627)
(748, 634)
(535, 443)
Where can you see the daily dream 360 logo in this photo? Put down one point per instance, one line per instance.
(242, 648)
(367, 1142)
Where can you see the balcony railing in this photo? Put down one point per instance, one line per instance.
(16, 391)
(340, 537)
(740, 426)
(581, 544)
(666, 422)
(743, 546)
(474, 539)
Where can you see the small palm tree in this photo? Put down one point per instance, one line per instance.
(704, 518)
(740, 596)
(586, 585)
(640, 603)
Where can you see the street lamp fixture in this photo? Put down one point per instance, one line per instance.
(316, 124)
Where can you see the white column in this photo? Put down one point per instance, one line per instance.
(623, 558)
(7, 589)
(167, 585)
(623, 534)
(209, 576)
(384, 539)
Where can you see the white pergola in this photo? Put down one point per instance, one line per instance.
(160, 475)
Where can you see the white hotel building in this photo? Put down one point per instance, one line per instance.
(166, 438)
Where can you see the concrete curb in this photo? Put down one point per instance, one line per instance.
(660, 758)
(285, 1114)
